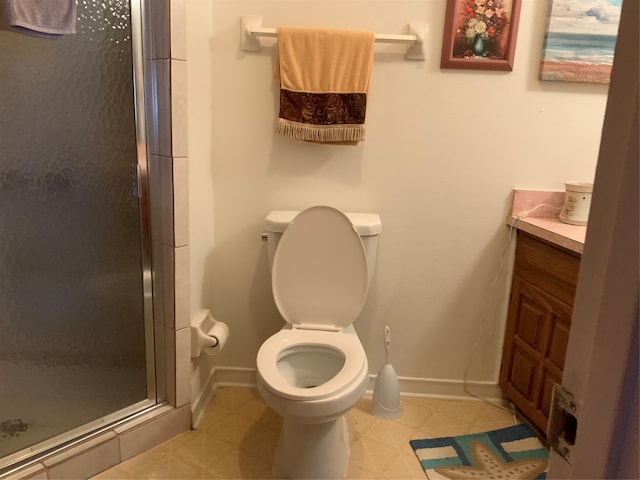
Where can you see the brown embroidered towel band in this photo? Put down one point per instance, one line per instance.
(324, 80)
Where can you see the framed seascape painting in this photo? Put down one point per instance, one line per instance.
(580, 40)
(480, 34)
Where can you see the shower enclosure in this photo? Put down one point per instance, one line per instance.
(76, 337)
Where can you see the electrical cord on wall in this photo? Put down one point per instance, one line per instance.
(519, 216)
(525, 213)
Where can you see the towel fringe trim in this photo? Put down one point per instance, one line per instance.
(320, 133)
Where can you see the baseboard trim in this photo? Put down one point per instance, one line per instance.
(236, 376)
(438, 388)
(409, 387)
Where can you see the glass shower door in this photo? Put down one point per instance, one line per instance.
(72, 299)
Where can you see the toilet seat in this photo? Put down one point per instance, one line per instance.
(320, 274)
(345, 342)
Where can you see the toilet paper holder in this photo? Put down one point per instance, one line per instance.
(207, 334)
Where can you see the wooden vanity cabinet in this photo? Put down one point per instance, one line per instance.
(540, 308)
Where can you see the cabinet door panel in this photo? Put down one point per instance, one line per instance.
(530, 323)
(558, 342)
(523, 371)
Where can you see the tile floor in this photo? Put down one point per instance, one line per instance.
(237, 438)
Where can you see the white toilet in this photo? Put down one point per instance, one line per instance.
(315, 369)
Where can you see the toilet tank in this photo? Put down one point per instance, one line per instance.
(368, 225)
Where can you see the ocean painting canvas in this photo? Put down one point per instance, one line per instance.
(580, 40)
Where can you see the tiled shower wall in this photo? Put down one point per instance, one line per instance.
(166, 129)
(166, 67)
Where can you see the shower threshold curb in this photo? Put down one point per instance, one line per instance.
(105, 447)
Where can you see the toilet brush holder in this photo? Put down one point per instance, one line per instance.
(386, 395)
(385, 403)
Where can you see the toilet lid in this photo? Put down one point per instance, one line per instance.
(319, 275)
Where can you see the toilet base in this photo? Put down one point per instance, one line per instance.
(318, 450)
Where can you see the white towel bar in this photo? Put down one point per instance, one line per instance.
(252, 30)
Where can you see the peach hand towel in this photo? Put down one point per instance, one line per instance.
(324, 81)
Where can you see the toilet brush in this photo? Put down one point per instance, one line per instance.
(386, 392)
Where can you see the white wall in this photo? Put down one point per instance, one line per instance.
(444, 149)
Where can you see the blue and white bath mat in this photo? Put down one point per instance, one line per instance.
(513, 452)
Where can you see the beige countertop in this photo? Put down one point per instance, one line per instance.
(553, 231)
(541, 209)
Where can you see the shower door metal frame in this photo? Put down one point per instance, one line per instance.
(137, 35)
(155, 399)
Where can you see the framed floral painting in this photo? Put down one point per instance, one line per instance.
(480, 34)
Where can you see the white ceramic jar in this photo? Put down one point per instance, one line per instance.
(577, 201)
